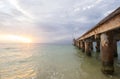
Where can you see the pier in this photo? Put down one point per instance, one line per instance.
(106, 34)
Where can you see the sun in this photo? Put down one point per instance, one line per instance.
(14, 39)
(19, 39)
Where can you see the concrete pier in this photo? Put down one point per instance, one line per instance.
(107, 53)
(83, 46)
(97, 46)
(106, 34)
(115, 48)
(88, 48)
(79, 45)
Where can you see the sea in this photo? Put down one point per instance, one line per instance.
(51, 61)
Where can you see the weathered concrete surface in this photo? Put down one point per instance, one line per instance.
(97, 46)
(83, 46)
(88, 48)
(79, 45)
(115, 48)
(107, 53)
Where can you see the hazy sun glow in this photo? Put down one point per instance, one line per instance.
(14, 39)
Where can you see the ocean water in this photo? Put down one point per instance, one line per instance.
(38, 61)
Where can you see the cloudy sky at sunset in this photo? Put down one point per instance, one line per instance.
(52, 21)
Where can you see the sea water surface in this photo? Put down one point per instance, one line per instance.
(38, 61)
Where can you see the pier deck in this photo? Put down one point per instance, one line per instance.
(106, 34)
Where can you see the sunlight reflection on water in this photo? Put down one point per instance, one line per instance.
(15, 62)
(49, 62)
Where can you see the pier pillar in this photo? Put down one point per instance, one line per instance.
(88, 48)
(115, 48)
(79, 45)
(97, 46)
(107, 55)
(83, 46)
(74, 42)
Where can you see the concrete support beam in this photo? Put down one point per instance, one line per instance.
(107, 55)
(83, 46)
(88, 48)
(79, 44)
(115, 48)
(97, 46)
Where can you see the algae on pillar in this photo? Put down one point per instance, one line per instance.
(107, 55)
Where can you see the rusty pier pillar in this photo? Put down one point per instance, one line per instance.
(79, 45)
(97, 46)
(107, 55)
(115, 48)
(88, 48)
(82, 46)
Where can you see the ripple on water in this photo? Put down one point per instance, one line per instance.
(50, 62)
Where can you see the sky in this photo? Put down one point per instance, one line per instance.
(52, 21)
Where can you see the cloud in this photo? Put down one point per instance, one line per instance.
(53, 21)
(16, 5)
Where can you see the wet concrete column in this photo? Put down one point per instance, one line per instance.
(88, 48)
(115, 48)
(74, 42)
(82, 46)
(107, 55)
(97, 46)
(79, 45)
